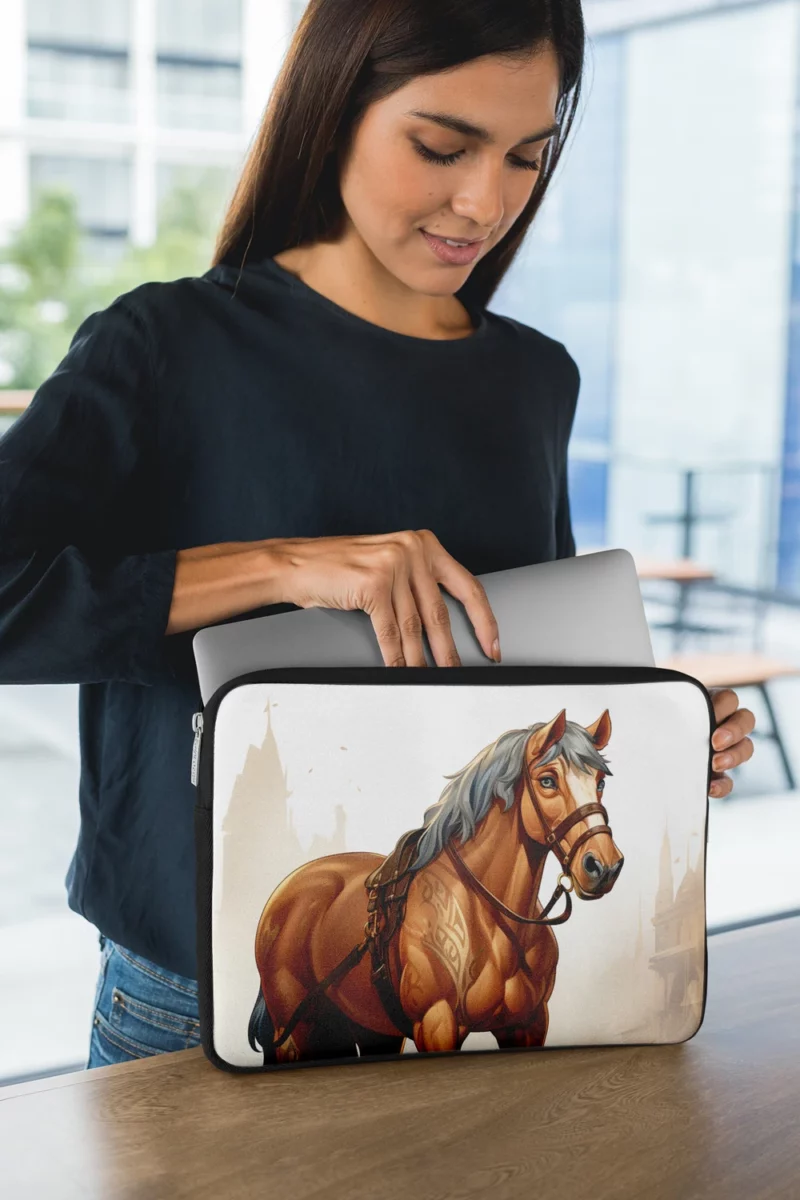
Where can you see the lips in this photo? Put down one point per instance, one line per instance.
(454, 255)
(445, 236)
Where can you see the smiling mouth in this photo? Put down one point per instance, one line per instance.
(456, 241)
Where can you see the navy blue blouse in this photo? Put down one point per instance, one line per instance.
(237, 407)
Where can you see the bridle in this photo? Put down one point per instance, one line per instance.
(552, 841)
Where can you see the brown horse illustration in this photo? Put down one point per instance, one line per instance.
(458, 941)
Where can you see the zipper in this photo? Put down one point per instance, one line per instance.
(434, 676)
(197, 726)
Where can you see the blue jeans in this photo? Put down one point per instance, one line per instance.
(140, 1009)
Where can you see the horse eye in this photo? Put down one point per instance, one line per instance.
(601, 783)
(547, 781)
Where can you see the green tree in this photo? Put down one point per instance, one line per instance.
(41, 296)
(50, 280)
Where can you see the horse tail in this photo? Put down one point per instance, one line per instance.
(261, 1029)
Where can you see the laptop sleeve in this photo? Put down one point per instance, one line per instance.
(429, 860)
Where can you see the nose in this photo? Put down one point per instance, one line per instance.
(482, 201)
(599, 872)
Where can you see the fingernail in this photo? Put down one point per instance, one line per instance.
(723, 761)
(496, 649)
(723, 738)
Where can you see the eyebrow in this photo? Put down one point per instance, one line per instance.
(449, 121)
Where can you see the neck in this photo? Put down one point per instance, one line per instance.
(506, 860)
(348, 274)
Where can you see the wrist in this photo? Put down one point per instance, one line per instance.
(275, 569)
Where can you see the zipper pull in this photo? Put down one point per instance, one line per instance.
(197, 726)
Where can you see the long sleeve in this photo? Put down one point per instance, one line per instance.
(82, 598)
(565, 539)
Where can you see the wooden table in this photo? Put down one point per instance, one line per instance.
(741, 670)
(684, 573)
(712, 1119)
(679, 570)
(14, 403)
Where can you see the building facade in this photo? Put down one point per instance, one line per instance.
(666, 256)
(119, 100)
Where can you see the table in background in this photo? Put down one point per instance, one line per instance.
(738, 670)
(685, 573)
(714, 1118)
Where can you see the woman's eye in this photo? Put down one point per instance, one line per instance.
(447, 160)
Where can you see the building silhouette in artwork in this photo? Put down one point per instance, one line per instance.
(259, 843)
(637, 1001)
(679, 958)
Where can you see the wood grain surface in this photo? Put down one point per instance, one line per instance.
(715, 1117)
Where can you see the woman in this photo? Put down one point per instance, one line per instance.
(328, 417)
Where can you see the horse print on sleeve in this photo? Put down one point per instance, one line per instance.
(447, 935)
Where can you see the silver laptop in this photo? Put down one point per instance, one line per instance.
(583, 611)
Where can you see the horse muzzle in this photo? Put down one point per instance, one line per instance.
(599, 877)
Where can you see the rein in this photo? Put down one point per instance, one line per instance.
(552, 841)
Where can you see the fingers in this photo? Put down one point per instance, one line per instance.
(403, 600)
(387, 630)
(733, 729)
(405, 596)
(462, 584)
(737, 754)
(721, 786)
(410, 622)
(437, 619)
(725, 701)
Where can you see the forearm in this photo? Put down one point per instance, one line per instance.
(218, 581)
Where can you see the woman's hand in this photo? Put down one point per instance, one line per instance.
(394, 578)
(729, 738)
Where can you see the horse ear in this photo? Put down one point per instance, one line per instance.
(600, 732)
(545, 737)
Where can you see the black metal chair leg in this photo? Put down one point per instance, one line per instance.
(777, 736)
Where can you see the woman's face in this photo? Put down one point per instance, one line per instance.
(392, 189)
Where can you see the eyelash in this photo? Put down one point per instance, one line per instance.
(447, 160)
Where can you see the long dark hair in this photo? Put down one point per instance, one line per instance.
(347, 54)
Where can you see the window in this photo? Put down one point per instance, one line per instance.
(65, 85)
(671, 275)
(199, 95)
(80, 22)
(200, 28)
(78, 62)
(199, 64)
(101, 186)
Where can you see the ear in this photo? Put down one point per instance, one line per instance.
(544, 738)
(600, 732)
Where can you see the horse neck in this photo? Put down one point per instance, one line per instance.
(505, 859)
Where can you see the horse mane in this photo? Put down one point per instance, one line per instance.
(494, 771)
